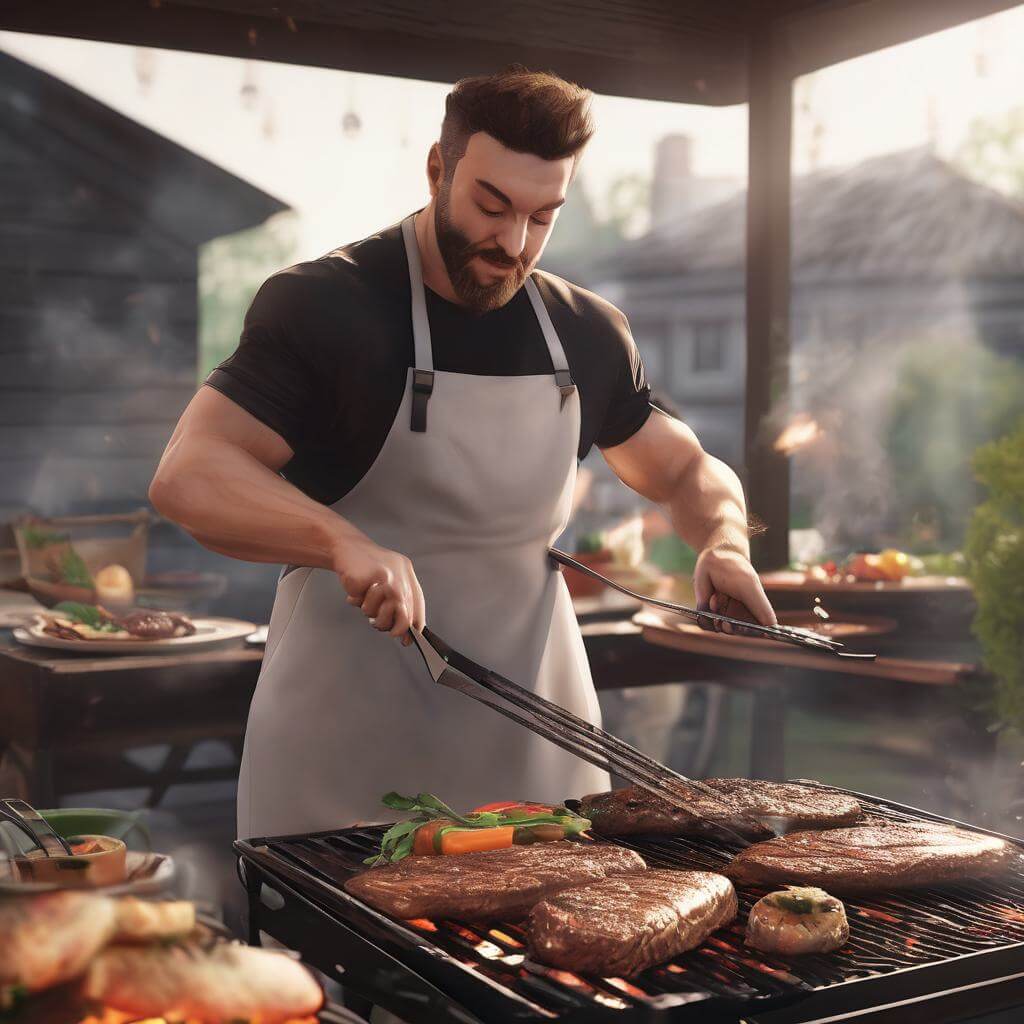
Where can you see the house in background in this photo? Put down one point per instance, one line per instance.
(101, 221)
(898, 245)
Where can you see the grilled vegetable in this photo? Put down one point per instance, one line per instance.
(798, 919)
(436, 829)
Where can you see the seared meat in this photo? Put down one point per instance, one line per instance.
(223, 983)
(153, 625)
(623, 925)
(870, 857)
(778, 807)
(496, 884)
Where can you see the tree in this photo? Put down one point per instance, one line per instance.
(994, 152)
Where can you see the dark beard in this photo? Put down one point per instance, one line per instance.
(457, 252)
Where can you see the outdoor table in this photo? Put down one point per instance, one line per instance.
(67, 721)
(770, 671)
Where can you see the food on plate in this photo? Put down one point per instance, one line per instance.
(888, 566)
(797, 919)
(622, 925)
(496, 884)
(114, 587)
(225, 982)
(873, 857)
(140, 958)
(94, 861)
(775, 807)
(49, 939)
(437, 829)
(72, 620)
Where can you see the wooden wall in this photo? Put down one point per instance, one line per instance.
(98, 329)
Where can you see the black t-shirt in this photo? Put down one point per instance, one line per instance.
(326, 346)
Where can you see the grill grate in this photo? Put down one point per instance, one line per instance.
(890, 933)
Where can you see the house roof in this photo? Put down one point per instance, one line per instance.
(156, 177)
(908, 213)
(693, 51)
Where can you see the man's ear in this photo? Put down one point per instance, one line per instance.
(435, 169)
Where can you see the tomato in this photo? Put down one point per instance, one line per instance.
(514, 805)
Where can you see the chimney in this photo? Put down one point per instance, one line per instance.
(672, 190)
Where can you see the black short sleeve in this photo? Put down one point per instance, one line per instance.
(629, 404)
(270, 375)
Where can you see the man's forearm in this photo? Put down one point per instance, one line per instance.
(707, 507)
(234, 505)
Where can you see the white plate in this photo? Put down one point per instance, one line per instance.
(208, 631)
(148, 873)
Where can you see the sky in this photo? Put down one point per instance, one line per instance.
(281, 126)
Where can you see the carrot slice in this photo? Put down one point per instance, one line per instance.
(473, 840)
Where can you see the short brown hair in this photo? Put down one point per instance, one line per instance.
(527, 111)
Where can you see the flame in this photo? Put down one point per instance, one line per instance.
(108, 1015)
(801, 431)
(423, 923)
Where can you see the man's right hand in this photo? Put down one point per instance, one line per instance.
(383, 584)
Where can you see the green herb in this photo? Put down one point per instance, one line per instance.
(87, 614)
(397, 842)
(36, 537)
(12, 997)
(590, 543)
(803, 900)
(73, 570)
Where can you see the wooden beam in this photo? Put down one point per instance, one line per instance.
(768, 285)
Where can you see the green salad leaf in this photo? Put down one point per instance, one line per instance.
(87, 614)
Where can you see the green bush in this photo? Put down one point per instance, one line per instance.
(995, 559)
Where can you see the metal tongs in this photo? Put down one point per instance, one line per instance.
(784, 634)
(588, 742)
(25, 817)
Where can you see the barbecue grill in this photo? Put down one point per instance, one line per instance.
(924, 955)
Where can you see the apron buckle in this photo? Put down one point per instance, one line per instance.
(422, 386)
(563, 380)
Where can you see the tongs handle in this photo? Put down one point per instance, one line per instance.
(783, 634)
(35, 826)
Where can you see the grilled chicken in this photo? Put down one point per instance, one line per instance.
(222, 983)
(144, 921)
(49, 939)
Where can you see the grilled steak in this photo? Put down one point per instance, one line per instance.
(623, 925)
(869, 857)
(496, 884)
(774, 807)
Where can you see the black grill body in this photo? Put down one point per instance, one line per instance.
(923, 955)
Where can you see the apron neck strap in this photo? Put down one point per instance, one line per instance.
(563, 379)
(423, 371)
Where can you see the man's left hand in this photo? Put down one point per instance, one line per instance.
(725, 582)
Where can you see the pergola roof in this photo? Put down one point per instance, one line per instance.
(692, 51)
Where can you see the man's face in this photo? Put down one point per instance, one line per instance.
(493, 218)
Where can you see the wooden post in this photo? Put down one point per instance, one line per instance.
(768, 278)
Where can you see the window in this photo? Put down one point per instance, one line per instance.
(709, 342)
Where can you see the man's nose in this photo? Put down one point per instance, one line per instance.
(512, 237)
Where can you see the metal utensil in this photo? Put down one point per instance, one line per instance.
(35, 826)
(784, 634)
(588, 742)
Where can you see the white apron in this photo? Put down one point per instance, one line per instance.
(473, 483)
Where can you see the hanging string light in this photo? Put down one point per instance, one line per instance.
(250, 91)
(351, 122)
(145, 68)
